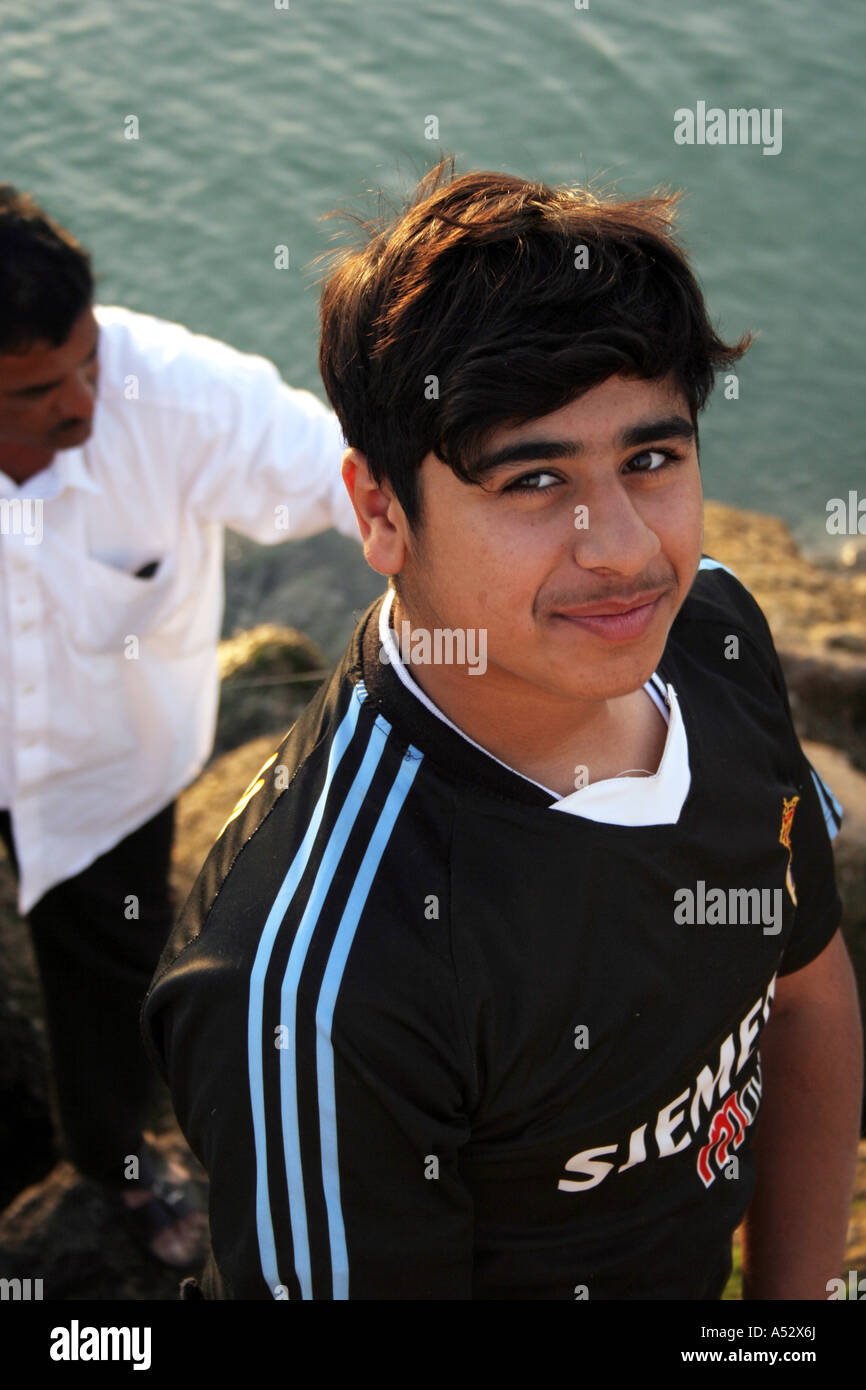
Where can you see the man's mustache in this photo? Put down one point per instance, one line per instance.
(69, 424)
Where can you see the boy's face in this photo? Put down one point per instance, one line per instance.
(578, 577)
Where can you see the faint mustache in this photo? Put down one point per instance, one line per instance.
(633, 594)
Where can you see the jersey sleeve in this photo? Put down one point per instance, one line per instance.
(819, 907)
(816, 820)
(328, 1109)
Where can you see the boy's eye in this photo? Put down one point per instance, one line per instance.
(665, 455)
(663, 458)
(525, 483)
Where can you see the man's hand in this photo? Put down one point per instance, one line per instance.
(807, 1132)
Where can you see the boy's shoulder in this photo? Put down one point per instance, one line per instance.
(717, 595)
(340, 773)
(722, 630)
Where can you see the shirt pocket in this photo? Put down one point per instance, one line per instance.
(112, 605)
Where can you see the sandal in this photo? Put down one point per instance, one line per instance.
(168, 1204)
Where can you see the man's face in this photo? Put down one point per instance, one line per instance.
(48, 394)
(577, 577)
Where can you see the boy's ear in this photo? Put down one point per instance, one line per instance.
(380, 517)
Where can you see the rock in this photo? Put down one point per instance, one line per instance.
(828, 697)
(843, 637)
(849, 848)
(269, 675)
(796, 595)
(853, 555)
(203, 807)
(849, 854)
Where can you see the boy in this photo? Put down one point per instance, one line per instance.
(467, 1000)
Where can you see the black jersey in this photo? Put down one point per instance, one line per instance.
(431, 1040)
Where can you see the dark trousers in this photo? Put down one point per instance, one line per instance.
(96, 958)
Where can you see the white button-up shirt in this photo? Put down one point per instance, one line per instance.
(109, 682)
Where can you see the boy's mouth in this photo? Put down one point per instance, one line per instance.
(616, 620)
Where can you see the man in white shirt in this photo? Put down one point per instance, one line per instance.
(127, 444)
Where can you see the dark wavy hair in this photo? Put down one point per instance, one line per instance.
(468, 311)
(46, 280)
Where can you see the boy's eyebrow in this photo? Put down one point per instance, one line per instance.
(665, 427)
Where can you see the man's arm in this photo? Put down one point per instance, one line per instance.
(264, 458)
(246, 450)
(807, 1131)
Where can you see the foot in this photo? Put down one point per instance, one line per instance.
(173, 1242)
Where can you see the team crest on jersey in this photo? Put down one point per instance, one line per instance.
(789, 806)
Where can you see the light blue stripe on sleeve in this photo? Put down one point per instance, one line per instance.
(708, 564)
(831, 808)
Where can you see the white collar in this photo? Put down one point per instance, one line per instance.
(66, 469)
(656, 800)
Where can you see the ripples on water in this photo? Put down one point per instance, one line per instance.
(254, 122)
